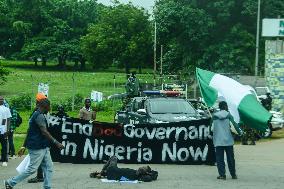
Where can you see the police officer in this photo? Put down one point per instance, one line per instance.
(132, 85)
(132, 89)
(267, 102)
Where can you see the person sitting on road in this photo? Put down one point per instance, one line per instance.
(112, 172)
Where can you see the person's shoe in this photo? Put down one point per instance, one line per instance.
(234, 177)
(35, 180)
(13, 157)
(4, 164)
(7, 185)
(244, 143)
(252, 143)
(221, 177)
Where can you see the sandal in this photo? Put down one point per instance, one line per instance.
(7, 185)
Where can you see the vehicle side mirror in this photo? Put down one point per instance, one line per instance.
(142, 112)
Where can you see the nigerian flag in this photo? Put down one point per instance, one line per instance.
(242, 104)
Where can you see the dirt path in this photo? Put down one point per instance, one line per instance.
(259, 167)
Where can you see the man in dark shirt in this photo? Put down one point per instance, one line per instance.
(61, 112)
(38, 142)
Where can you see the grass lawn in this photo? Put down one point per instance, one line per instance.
(24, 79)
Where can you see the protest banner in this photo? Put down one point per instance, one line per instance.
(168, 143)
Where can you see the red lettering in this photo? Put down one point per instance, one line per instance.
(100, 131)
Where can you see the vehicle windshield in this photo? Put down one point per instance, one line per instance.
(173, 106)
(261, 91)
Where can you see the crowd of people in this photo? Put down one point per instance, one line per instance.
(38, 141)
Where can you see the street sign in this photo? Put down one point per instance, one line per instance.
(273, 27)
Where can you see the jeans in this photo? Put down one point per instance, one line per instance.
(37, 157)
(4, 143)
(11, 143)
(39, 174)
(230, 160)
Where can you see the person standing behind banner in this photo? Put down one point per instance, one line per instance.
(86, 113)
(61, 112)
(224, 141)
(38, 143)
(5, 116)
(16, 121)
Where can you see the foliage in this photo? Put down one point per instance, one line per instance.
(45, 29)
(213, 34)
(21, 102)
(123, 33)
(217, 35)
(3, 75)
(67, 103)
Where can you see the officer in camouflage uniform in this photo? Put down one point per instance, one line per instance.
(132, 89)
(249, 135)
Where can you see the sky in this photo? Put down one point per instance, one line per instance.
(147, 4)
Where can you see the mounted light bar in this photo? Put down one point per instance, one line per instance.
(152, 92)
(167, 93)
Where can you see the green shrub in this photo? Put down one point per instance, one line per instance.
(21, 102)
(67, 103)
(107, 105)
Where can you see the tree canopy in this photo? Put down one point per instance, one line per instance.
(122, 34)
(212, 34)
(217, 35)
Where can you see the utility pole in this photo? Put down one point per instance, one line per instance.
(257, 40)
(155, 43)
(155, 53)
(161, 69)
(73, 91)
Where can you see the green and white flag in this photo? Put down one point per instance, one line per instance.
(242, 104)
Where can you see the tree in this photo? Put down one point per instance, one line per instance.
(3, 73)
(217, 35)
(39, 47)
(183, 29)
(123, 33)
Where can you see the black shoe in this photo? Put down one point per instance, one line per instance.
(244, 143)
(221, 177)
(35, 180)
(234, 177)
(7, 185)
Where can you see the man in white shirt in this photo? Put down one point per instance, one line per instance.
(5, 116)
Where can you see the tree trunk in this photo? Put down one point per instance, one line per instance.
(139, 69)
(60, 61)
(44, 60)
(83, 64)
(127, 68)
(76, 63)
(35, 61)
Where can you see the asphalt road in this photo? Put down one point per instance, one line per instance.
(260, 166)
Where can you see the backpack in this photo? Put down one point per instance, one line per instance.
(19, 120)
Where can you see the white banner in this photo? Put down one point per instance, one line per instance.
(96, 96)
(43, 88)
